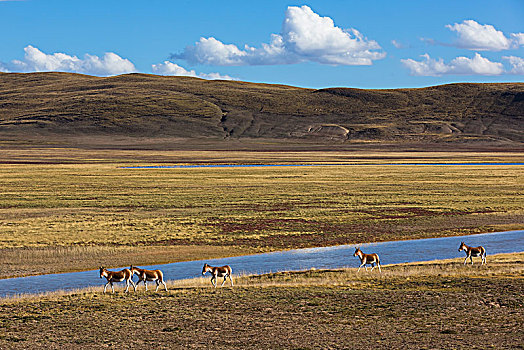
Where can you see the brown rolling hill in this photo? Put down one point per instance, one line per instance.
(183, 107)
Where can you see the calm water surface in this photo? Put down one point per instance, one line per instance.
(295, 165)
(300, 259)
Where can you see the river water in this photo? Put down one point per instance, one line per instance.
(190, 166)
(394, 252)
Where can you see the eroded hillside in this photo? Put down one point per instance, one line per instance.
(147, 105)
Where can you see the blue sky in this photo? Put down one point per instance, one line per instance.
(367, 44)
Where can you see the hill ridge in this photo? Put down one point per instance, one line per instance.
(160, 106)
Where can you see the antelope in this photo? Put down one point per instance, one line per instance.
(370, 259)
(473, 251)
(218, 271)
(148, 275)
(117, 276)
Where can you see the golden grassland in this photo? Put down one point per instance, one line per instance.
(438, 304)
(159, 151)
(95, 213)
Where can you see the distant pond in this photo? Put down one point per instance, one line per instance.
(189, 166)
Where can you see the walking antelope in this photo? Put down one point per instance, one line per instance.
(117, 276)
(365, 259)
(148, 275)
(218, 271)
(473, 251)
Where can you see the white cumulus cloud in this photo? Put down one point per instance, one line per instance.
(517, 64)
(37, 61)
(483, 37)
(170, 68)
(518, 38)
(305, 36)
(317, 39)
(477, 65)
(214, 52)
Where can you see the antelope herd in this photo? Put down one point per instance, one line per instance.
(126, 275)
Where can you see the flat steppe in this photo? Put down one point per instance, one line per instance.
(434, 305)
(69, 209)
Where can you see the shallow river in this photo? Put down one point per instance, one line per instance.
(301, 165)
(300, 259)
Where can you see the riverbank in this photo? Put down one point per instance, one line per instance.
(336, 257)
(440, 304)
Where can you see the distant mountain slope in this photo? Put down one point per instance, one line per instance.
(147, 105)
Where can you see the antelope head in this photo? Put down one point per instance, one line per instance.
(205, 268)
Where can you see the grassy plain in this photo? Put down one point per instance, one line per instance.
(433, 305)
(69, 209)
